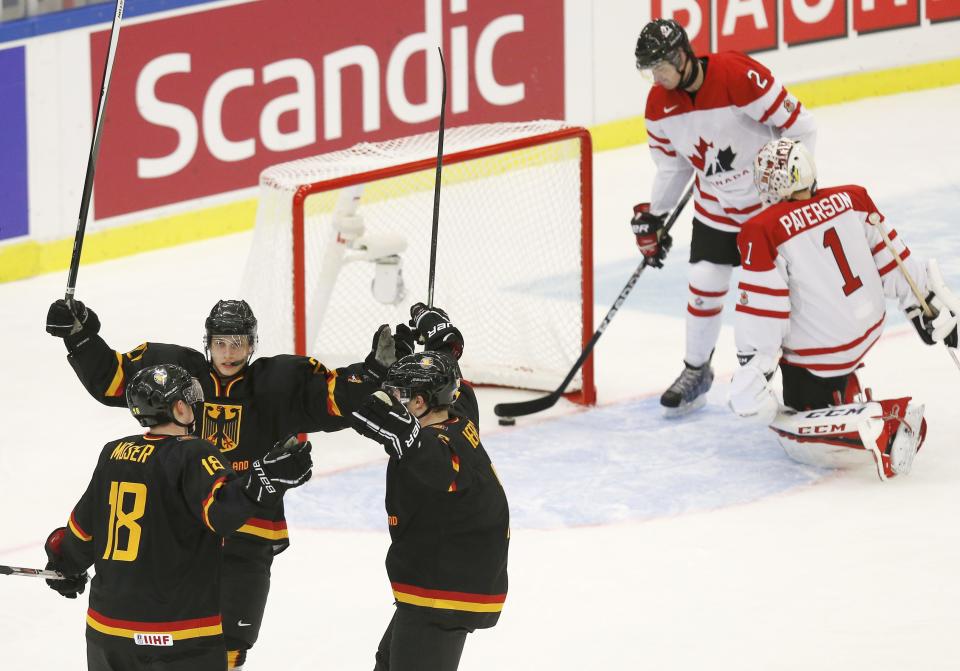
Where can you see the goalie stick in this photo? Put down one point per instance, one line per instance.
(92, 158)
(32, 572)
(436, 184)
(508, 411)
(874, 219)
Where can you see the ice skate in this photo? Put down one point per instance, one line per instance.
(689, 391)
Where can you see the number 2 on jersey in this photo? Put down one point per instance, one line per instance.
(851, 282)
(125, 519)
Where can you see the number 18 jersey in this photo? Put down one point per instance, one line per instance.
(814, 281)
(151, 521)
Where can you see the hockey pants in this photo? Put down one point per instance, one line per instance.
(203, 659)
(413, 643)
(244, 585)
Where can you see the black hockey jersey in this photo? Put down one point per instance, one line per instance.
(449, 524)
(244, 416)
(151, 522)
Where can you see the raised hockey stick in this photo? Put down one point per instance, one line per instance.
(874, 219)
(92, 158)
(507, 411)
(32, 572)
(436, 184)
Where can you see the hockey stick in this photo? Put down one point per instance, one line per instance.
(511, 410)
(92, 158)
(436, 184)
(874, 219)
(32, 572)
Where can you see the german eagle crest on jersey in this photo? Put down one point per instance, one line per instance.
(221, 425)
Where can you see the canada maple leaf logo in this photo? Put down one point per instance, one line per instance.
(709, 161)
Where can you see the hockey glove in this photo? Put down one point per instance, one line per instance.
(404, 341)
(751, 395)
(383, 353)
(384, 418)
(72, 585)
(434, 331)
(652, 241)
(75, 319)
(941, 327)
(284, 467)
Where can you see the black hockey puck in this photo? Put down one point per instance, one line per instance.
(507, 421)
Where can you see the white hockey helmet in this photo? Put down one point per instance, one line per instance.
(782, 168)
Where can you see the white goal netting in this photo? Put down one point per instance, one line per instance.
(513, 253)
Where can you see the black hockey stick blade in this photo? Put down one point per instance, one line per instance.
(521, 408)
(32, 572)
(436, 185)
(92, 157)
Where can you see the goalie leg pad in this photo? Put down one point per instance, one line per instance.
(891, 431)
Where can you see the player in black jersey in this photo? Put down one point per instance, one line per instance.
(151, 521)
(249, 406)
(446, 509)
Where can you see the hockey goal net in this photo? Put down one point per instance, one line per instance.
(514, 253)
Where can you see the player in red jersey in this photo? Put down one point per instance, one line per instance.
(706, 119)
(816, 276)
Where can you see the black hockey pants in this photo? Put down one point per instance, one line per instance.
(244, 586)
(412, 643)
(103, 659)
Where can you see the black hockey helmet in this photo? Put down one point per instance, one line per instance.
(153, 391)
(231, 317)
(427, 374)
(661, 40)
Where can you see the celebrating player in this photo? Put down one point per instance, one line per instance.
(816, 272)
(151, 521)
(248, 405)
(706, 117)
(447, 511)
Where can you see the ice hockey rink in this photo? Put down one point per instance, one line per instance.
(637, 542)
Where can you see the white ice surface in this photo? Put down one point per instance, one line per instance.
(637, 543)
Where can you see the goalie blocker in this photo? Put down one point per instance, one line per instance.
(890, 431)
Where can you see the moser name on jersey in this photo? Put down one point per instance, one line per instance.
(815, 213)
(153, 639)
(128, 451)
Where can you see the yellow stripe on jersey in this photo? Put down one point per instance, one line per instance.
(332, 407)
(263, 532)
(117, 382)
(183, 634)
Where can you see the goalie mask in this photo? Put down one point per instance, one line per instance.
(426, 374)
(153, 391)
(782, 168)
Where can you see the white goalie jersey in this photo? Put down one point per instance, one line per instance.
(814, 281)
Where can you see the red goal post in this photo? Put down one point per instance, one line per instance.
(514, 253)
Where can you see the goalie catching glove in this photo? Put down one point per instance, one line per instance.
(73, 584)
(652, 241)
(385, 419)
(433, 330)
(284, 467)
(941, 326)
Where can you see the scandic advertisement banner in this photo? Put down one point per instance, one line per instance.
(201, 103)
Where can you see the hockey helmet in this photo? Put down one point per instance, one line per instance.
(231, 317)
(661, 40)
(782, 168)
(427, 374)
(153, 391)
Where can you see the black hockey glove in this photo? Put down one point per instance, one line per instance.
(652, 241)
(285, 466)
(74, 584)
(76, 319)
(941, 327)
(404, 341)
(384, 419)
(434, 331)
